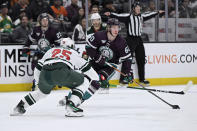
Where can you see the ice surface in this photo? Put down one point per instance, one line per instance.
(121, 110)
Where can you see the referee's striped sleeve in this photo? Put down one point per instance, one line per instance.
(149, 15)
(121, 17)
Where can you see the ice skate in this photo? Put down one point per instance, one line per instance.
(72, 110)
(104, 89)
(19, 109)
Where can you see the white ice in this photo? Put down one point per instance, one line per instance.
(120, 110)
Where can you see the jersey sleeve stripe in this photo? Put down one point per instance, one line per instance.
(85, 67)
(121, 15)
(31, 39)
(56, 60)
(147, 14)
(39, 67)
(91, 44)
(125, 57)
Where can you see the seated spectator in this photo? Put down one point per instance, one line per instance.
(96, 24)
(151, 6)
(75, 19)
(6, 25)
(94, 9)
(184, 10)
(79, 31)
(21, 32)
(73, 9)
(107, 7)
(171, 8)
(37, 7)
(13, 2)
(15, 11)
(18, 20)
(89, 5)
(59, 10)
(126, 6)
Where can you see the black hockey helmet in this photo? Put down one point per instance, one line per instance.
(42, 16)
(113, 21)
(136, 3)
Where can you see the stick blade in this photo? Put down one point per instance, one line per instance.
(175, 107)
(189, 84)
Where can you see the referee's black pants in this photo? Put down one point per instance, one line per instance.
(136, 46)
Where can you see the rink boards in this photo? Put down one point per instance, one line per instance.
(166, 64)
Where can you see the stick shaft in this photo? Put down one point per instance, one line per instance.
(156, 90)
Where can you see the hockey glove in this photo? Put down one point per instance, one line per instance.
(25, 51)
(104, 82)
(84, 55)
(129, 77)
(100, 60)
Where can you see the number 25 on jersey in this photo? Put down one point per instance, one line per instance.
(61, 53)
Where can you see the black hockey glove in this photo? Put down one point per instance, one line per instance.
(100, 60)
(129, 77)
(25, 51)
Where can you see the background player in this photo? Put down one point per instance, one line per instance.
(43, 35)
(109, 46)
(134, 23)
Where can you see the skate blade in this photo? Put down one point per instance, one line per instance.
(103, 91)
(16, 114)
(72, 114)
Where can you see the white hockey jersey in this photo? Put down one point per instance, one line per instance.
(65, 55)
(68, 56)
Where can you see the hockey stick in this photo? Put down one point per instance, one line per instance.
(173, 106)
(156, 90)
(189, 84)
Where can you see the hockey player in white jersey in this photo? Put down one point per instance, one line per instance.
(64, 67)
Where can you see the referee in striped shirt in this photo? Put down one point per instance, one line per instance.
(134, 22)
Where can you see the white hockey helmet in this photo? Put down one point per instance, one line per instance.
(95, 16)
(67, 42)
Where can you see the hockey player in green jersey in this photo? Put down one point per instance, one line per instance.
(62, 66)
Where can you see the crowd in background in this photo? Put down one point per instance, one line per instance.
(17, 17)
